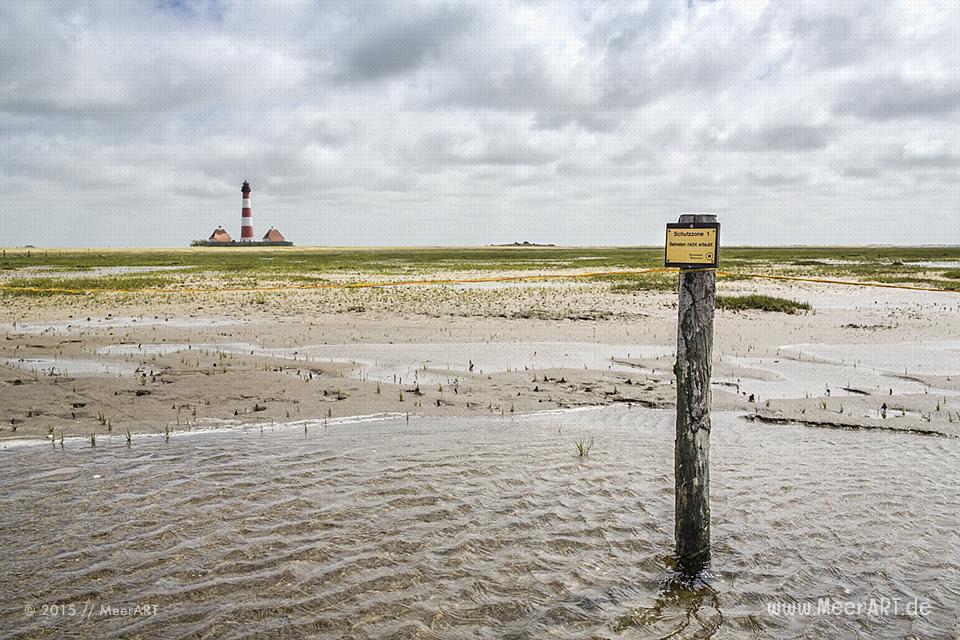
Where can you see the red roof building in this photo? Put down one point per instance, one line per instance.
(273, 236)
(220, 235)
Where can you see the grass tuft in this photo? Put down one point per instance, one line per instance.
(584, 446)
(642, 282)
(761, 303)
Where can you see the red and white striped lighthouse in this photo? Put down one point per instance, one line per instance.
(246, 215)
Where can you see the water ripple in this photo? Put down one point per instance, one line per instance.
(479, 528)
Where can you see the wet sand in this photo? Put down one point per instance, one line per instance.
(76, 365)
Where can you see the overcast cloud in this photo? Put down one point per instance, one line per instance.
(372, 123)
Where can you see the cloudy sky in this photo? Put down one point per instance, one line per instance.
(372, 123)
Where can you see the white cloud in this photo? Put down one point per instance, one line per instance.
(431, 122)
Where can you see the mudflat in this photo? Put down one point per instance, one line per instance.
(110, 342)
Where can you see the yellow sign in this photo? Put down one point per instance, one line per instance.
(693, 244)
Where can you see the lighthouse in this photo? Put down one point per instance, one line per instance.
(220, 238)
(246, 215)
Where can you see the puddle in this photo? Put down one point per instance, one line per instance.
(84, 324)
(412, 362)
(165, 348)
(933, 264)
(789, 378)
(897, 301)
(408, 361)
(904, 358)
(895, 413)
(790, 375)
(71, 367)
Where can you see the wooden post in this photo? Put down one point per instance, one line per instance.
(692, 447)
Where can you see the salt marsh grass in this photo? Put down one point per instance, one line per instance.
(584, 446)
(761, 303)
(281, 266)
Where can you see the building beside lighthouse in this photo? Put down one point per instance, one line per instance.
(220, 237)
(273, 236)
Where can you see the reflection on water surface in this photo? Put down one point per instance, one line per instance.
(476, 527)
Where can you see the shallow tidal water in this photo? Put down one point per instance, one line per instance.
(430, 362)
(477, 528)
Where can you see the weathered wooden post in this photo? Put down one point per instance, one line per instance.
(692, 245)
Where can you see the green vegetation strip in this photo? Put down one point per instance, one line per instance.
(76, 286)
(761, 303)
(236, 267)
(397, 261)
(637, 283)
